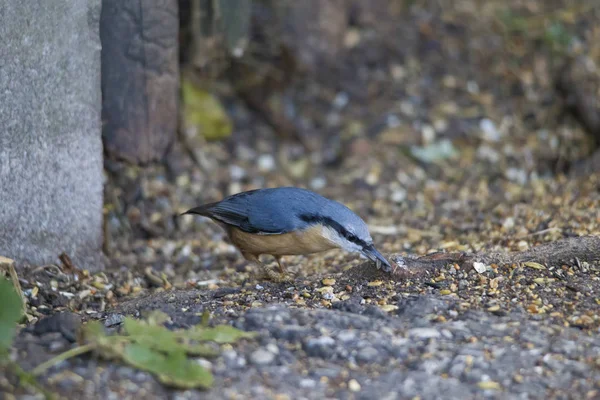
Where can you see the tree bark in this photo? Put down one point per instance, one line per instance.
(140, 78)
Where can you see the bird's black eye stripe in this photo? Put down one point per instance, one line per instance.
(314, 219)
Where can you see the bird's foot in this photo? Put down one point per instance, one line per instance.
(274, 276)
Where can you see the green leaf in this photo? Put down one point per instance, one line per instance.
(152, 336)
(94, 329)
(162, 339)
(200, 350)
(557, 35)
(512, 22)
(11, 310)
(218, 334)
(108, 346)
(173, 369)
(156, 317)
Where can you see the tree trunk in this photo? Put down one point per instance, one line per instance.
(140, 78)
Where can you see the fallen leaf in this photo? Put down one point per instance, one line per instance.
(203, 111)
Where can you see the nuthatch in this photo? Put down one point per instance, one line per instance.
(290, 221)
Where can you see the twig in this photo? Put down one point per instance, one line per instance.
(27, 378)
(40, 369)
(564, 251)
(67, 263)
(537, 233)
(45, 267)
(70, 267)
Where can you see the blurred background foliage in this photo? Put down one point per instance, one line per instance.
(277, 56)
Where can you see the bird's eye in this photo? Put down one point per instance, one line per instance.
(351, 237)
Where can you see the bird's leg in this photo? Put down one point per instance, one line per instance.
(267, 273)
(283, 275)
(281, 268)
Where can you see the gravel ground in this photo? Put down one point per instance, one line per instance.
(383, 340)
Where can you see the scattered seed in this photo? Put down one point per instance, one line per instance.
(534, 265)
(489, 385)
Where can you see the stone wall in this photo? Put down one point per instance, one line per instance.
(50, 131)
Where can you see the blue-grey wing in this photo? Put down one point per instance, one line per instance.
(264, 211)
(283, 209)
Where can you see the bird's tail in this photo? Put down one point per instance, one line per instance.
(204, 210)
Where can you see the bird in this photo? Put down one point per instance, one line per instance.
(285, 221)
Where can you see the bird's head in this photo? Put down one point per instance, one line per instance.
(350, 232)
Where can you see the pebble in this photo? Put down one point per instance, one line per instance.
(308, 383)
(326, 291)
(113, 319)
(393, 121)
(354, 386)
(479, 267)
(58, 346)
(236, 172)
(428, 134)
(516, 175)
(489, 130)
(205, 364)
(341, 100)
(346, 336)
(424, 333)
(233, 360)
(262, 357)
(318, 183)
(368, 354)
(328, 296)
(472, 87)
(398, 195)
(266, 163)
(272, 347)
(322, 346)
(508, 223)
(487, 153)
(408, 108)
(398, 72)
(328, 281)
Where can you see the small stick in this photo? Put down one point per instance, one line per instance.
(40, 369)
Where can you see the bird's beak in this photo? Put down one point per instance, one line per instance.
(372, 254)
